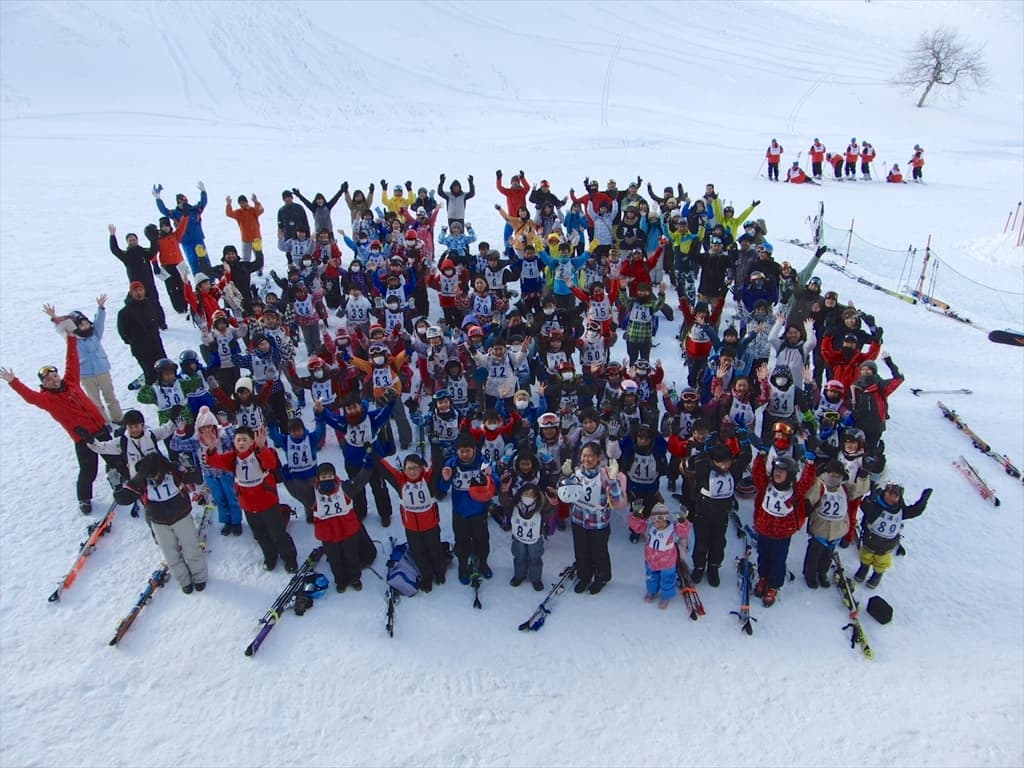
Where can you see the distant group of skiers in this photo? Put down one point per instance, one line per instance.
(844, 164)
(496, 364)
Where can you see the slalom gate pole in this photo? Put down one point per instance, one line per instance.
(1007, 225)
(924, 266)
(849, 242)
(1014, 226)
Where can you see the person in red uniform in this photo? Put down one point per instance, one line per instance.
(817, 155)
(254, 466)
(778, 514)
(69, 405)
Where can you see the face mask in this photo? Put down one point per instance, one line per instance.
(567, 376)
(515, 349)
(318, 374)
(528, 502)
(549, 311)
(379, 360)
(492, 427)
(522, 405)
(328, 486)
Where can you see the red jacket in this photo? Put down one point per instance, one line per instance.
(342, 525)
(847, 371)
(69, 406)
(251, 498)
(169, 245)
(780, 527)
(639, 270)
(514, 198)
(414, 519)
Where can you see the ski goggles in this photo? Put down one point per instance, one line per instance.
(689, 397)
(830, 418)
(46, 370)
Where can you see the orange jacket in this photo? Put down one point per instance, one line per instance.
(852, 153)
(774, 153)
(816, 152)
(248, 220)
(169, 245)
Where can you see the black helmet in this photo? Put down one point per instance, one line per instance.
(164, 362)
(189, 356)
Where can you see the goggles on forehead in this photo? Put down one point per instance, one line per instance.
(46, 370)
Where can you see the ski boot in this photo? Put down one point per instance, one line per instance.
(713, 578)
(760, 587)
(770, 596)
(875, 580)
(85, 507)
(862, 573)
(697, 575)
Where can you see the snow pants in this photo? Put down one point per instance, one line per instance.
(301, 489)
(472, 537)
(661, 582)
(381, 497)
(89, 464)
(99, 384)
(179, 543)
(709, 529)
(528, 560)
(818, 558)
(268, 529)
(343, 557)
(880, 562)
(222, 489)
(771, 559)
(590, 545)
(427, 552)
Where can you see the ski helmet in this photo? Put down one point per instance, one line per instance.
(852, 433)
(164, 362)
(570, 489)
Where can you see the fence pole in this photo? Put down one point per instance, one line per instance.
(849, 241)
(1015, 218)
(1020, 233)
(924, 267)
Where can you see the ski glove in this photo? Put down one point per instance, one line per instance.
(567, 467)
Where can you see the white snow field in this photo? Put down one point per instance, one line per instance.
(102, 100)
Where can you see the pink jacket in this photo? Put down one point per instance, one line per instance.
(664, 558)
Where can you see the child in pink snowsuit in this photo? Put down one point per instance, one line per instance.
(660, 552)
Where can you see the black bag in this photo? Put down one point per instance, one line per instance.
(879, 610)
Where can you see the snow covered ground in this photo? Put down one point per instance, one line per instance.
(101, 100)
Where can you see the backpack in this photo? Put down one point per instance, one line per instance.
(403, 575)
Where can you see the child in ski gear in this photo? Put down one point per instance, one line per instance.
(219, 482)
(884, 513)
(136, 442)
(169, 514)
(248, 219)
(664, 541)
(778, 514)
(529, 524)
(592, 491)
(300, 449)
(473, 484)
(194, 241)
(337, 526)
(254, 467)
(414, 484)
(828, 522)
(716, 474)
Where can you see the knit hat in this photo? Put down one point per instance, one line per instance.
(205, 418)
(135, 284)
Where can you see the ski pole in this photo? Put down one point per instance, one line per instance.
(760, 167)
(1014, 219)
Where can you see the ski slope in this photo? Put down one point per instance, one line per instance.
(99, 101)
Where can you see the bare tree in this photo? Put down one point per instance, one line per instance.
(942, 57)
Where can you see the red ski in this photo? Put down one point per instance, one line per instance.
(967, 470)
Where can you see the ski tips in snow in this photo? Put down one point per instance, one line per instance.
(1013, 338)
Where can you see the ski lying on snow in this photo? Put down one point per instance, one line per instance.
(979, 443)
(85, 549)
(846, 586)
(967, 470)
(536, 620)
(285, 600)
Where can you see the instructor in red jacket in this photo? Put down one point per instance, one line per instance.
(66, 401)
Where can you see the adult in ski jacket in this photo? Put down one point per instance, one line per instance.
(66, 401)
(136, 262)
(870, 395)
(194, 241)
(138, 324)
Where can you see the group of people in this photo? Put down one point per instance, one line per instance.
(491, 369)
(844, 164)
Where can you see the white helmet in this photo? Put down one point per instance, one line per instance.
(570, 489)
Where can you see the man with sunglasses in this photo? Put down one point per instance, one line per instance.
(66, 401)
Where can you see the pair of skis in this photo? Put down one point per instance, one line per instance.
(745, 570)
(978, 442)
(967, 469)
(688, 589)
(536, 620)
(845, 586)
(285, 600)
(162, 574)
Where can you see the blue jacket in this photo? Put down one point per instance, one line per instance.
(559, 266)
(313, 439)
(92, 359)
(463, 504)
(357, 454)
(194, 231)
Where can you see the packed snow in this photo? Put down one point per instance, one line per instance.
(102, 100)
